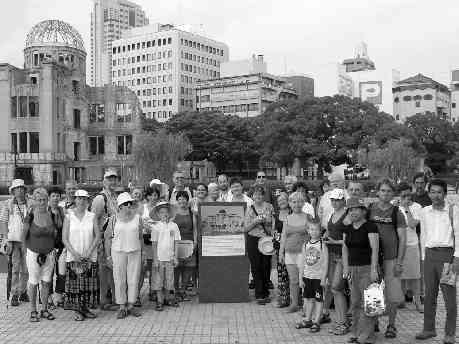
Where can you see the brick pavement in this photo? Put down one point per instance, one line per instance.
(190, 323)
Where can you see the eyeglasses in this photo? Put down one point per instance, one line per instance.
(261, 177)
(203, 190)
(127, 204)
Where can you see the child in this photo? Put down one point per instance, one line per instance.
(164, 237)
(313, 276)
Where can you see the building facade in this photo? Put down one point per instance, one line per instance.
(162, 64)
(302, 84)
(420, 95)
(55, 126)
(454, 95)
(109, 19)
(242, 95)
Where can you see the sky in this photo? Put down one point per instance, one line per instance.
(307, 37)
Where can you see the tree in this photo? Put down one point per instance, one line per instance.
(396, 159)
(156, 155)
(438, 137)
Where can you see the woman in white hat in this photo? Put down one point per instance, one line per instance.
(81, 235)
(123, 245)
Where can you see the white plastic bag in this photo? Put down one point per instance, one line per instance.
(373, 300)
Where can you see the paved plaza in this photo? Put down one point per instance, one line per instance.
(190, 323)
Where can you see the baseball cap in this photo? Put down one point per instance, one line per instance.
(337, 194)
(162, 205)
(110, 173)
(355, 202)
(81, 193)
(124, 197)
(17, 183)
(155, 182)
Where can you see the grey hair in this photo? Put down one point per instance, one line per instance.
(39, 192)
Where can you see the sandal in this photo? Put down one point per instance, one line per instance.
(303, 323)
(47, 315)
(79, 316)
(159, 307)
(172, 303)
(391, 332)
(340, 330)
(314, 328)
(134, 312)
(34, 316)
(122, 314)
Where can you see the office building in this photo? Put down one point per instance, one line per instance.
(55, 127)
(420, 95)
(454, 95)
(162, 64)
(244, 95)
(109, 19)
(302, 84)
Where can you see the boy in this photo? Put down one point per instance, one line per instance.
(313, 277)
(164, 237)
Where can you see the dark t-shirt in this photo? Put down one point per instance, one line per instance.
(335, 232)
(388, 237)
(358, 243)
(424, 200)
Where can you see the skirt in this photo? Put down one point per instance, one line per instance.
(411, 263)
(81, 288)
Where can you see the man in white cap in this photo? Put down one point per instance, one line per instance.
(104, 205)
(12, 216)
(179, 185)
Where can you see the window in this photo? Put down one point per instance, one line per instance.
(169, 40)
(96, 113)
(14, 107)
(14, 142)
(22, 106)
(124, 144)
(76, 151)
(34, 142)
(253, 107)
(418, 104)
(123, 112)
(453, 105)
(96, 145)
(407, 98)
(23, 142)
(417, 97)
(76, 119)
(428, 97)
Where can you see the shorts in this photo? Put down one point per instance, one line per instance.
(393, 285)
(313, 290)
(335, 272)
(163, 277)
(293, 259)
(39, 273)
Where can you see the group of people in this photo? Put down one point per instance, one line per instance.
(328, 249)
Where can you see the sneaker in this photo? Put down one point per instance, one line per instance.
(426, 335)
(14, 301)
(138, 303)
(270, 285)
(134, 312)
(24, 297)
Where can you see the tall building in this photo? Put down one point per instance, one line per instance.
(454, 95)
(55, 127)
(420, 95)
(109, 19)
(302, 84)
(246, 90)
(162, 64)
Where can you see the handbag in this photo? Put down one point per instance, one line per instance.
(373, 300)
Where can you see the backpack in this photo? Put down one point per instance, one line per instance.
(394, 220)
(104, 226)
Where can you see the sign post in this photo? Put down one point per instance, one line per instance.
(223, 262)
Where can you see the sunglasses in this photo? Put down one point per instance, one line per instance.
(261, 177)
(127, 204)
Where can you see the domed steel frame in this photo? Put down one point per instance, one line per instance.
(54, 32)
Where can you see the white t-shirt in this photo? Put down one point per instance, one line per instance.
(165, 234)
(81, 234)
(411, 236)
(308, 209)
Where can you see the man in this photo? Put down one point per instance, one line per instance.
(103, 206)
(262, 181)
(392, 233)
(12, 216)
(223, 185)
(179, 185)
(440, 252)
(69, 201)
(289, 182)
(421, 196)
(355, 189)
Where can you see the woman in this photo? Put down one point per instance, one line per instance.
(411, 274)
(137, 196)
(187, 225)
(334, 240)
(40, 234)
(123, 245)
(360, 264)
(259, 223)
(201, 195)
(149, 216)
(302, 188)
(81, 236)
(57, 215)
(237, 194)
(294, 235)
(213, 192)
(282, 275)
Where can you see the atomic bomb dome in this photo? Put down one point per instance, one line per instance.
(54, 33)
